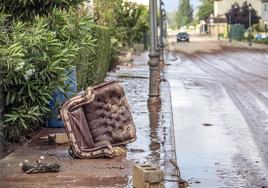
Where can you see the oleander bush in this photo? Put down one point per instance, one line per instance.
(36, 57)
(33, 65)
(26, 10)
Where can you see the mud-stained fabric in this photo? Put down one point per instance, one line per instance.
(81, 129)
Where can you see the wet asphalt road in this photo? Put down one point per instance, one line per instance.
(220, 111)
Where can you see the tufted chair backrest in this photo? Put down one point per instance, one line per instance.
(98, 119)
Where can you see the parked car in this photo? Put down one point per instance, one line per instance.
(183, 36)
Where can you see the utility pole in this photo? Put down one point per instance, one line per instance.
(249, 23)
(161, 49)
(154, 56)
(230, 25)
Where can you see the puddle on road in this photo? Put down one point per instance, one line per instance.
(200, 149)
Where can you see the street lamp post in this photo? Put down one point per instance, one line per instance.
(230, 24)
(154, 55)
(249, 23)
(161, 46)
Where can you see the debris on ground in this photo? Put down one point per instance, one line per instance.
(119, 150)
(147, 176)
(40, 167)
(52, 139)
(182, 183)
(207, 124)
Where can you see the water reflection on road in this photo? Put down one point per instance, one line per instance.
(215, 144)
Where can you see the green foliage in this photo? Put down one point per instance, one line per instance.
(28, 9)
(205, 10)
(94, 70)
(36, 57)
(259, 27)
(77, 27)
(184, 14)
(128, 21)
(262, 41)
(33, 65)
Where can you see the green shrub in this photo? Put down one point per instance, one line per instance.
(262, 41)
(27, 9)
(33, 64)
(95, 69)
(128, 21)
(77, 27)
(35, 58)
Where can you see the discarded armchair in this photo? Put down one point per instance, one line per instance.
(97, 119)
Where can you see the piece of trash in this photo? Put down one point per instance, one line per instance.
(42, 157)
(116, 167)
(147, 176)
(40, 167)
(182, 183)
(173, 58)
(119, 151)
(20, 164)
(58, 138)
(207, 124)
(136, 150)
(51, 153)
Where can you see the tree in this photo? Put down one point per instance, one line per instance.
(240, 15)
(28, 9)
(205, 9)
(185, 13)
(128, 21)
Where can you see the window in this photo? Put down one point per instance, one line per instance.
(265, 7)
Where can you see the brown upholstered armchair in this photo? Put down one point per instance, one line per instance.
(96, 120)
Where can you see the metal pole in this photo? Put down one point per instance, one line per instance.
(218, 31)
(155, 26)
(161, 46)
(230, 22)
(250, 39)
(154, 55)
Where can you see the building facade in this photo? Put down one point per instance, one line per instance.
(264, 15)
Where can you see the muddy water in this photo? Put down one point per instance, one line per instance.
(155, 140)
(215, 144)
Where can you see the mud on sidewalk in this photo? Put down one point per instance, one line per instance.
(154, 144)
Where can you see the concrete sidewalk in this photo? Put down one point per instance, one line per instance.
(154, 144)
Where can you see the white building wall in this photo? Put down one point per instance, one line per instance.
(264, 15)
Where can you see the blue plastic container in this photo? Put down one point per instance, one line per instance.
(258, 37)
(58, 98)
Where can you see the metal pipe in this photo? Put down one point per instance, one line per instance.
(155, 25)
(161, 46)
(230, 24)
(249, 35)
(154, 55)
